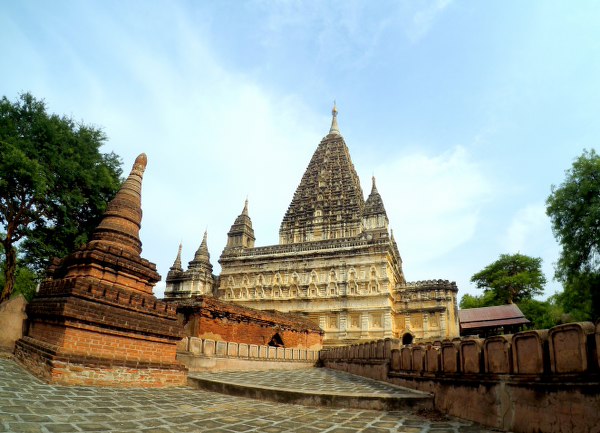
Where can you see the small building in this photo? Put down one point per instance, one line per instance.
(486, 321)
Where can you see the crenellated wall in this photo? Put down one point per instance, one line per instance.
(217, 355)
(532, 381)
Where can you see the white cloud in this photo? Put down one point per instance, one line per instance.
(424, 19)
(530, 233)
(528, 228)
(433, 201)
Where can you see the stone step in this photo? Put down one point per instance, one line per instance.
(312, 387)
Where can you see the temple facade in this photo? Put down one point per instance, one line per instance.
(336, 263)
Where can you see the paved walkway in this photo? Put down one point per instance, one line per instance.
(313, 387)
(28, 405)
(313, 379)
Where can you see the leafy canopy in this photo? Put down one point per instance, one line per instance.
(574, 210)
(512, 278)
(54, 184)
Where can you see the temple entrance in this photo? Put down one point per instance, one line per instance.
(276, 341)
(407, 339)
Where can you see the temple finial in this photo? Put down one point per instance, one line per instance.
(374, 187)
(245, 211)
(334, 130)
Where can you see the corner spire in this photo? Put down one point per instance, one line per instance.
(334, 130)
(121, 222)
(177, 264)
(202, 256)
(374, 187)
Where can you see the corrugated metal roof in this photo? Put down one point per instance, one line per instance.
(484, 317)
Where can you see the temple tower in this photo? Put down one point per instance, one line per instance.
(335, 264)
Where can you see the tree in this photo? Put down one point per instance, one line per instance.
(511, 278)
(486, 300)
(26, 280)
(574, 210)
(543, 314)
(54, 184)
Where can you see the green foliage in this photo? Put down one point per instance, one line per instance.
(574, 210)
(54, 183)
(577, 298)
(512, 278)
(26, 280)
(542, 314)
(486, 300)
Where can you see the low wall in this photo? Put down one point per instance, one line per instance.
(532, 381)
(209, 355)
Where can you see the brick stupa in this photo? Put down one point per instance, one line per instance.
(95, 320)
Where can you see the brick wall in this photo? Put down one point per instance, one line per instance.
(209, 318)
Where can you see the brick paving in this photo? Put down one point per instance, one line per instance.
(30, 406)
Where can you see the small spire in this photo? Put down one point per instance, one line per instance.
(374, 187)
(334, 130)
(177, 264)
(245, 211)
(202, 256)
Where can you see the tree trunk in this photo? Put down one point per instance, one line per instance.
(9, 272)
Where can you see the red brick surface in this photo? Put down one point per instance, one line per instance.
(213, 319)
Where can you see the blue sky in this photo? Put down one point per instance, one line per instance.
(466, 112)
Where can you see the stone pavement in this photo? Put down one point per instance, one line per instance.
(30, 406)
(314, 379)
(313, 387)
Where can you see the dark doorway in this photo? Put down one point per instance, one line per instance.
(276, 340)
(407, 339)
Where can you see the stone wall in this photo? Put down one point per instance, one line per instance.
(532, 381)
(205, 354)
(12, 322)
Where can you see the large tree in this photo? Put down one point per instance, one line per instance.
(574, 209)
(54, 184)
(512, 278)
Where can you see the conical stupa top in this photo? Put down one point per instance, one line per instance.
(177, 263)
(374, 203)
(245, 210)
(374, 187)
(121, 222)
(334, 130)
(202, 256)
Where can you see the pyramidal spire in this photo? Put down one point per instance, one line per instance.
(121, 222)
(374, 187)
(245, 210)
(334, 130)
(374, 203)
(177, 263)
(202, 256)
(202, 251)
